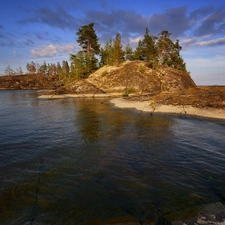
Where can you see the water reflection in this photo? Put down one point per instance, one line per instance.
(88, 121)
(77, 161)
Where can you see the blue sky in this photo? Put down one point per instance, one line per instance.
(45, 30)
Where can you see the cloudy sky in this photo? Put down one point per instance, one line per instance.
(45, 30)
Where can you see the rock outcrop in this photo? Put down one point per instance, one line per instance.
(129, 77)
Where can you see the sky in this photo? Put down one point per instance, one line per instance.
(45, 30)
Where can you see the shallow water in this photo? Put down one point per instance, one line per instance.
(80, 161)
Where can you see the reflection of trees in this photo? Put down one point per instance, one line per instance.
(88, 120)
(95, 119)
(156, 129)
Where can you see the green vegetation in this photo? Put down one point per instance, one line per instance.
(112, 53)
(156, 51)
(141, 69)
(128, 91)
(85, 61)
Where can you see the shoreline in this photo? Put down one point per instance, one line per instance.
(149, 106)
(146, 106)
(53, 96)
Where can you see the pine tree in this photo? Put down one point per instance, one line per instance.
(88, 41)
(65, 67)
(139, 51)
(178, 62)
(43, 69)
(31, 68)
(118, 53)
(58, 68)
(78, 65)
(165, 48)
(106, 54)
(9, 71)
(146, 49)
(128, 53)
(19, 71)
(169, 52)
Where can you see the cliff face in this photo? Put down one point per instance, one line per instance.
(24, 82)
(132, 76)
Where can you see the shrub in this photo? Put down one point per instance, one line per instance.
(128, 91)
(141, 69)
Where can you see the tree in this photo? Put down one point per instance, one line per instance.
(169, 52)
(65, 67)
(31, 68)
(9, 71)
(128, 53)
(118, 53)
(146, 49)
(19, 71)
(112, 53)
(42, 70)
(88, 39)
(139, 51)
(58, 68)
(165, 47)
(178, 62)
(106, 53)
(78, 65)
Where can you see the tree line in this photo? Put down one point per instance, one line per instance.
(155, 50)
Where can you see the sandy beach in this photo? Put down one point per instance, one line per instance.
(149, 106)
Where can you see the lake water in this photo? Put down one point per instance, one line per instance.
(80, 161)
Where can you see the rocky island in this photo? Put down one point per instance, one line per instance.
(164, 89)
(152, 78)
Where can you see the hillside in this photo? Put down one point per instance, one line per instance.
(130, 77)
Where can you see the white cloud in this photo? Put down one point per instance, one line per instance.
(46, 51)
(218, 41)
(189, 41)
(135, 40)
(68, 48)
(52, 50)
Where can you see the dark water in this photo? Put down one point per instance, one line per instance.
(73, 161)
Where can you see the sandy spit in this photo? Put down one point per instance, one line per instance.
(148, 106)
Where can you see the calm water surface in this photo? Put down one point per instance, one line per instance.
(79, 161)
